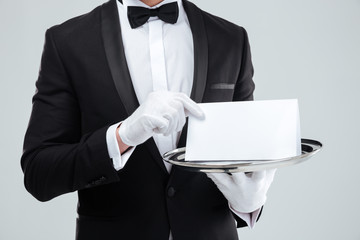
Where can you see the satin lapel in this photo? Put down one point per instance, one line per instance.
(114, 49)
(200, 57)
(200, 75)
(200, 50)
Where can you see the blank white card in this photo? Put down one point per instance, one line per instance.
(251, 130)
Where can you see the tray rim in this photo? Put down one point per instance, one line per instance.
(309, 148)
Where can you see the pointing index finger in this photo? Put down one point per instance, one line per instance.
(190, 106)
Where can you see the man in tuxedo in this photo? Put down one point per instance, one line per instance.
(114, 90)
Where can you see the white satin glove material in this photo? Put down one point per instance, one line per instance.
(162, 112)
(244, 192)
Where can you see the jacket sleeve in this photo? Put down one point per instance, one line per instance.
(245, 86)
(57, 158)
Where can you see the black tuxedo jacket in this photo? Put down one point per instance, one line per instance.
(83, 87)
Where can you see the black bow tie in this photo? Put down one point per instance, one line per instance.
(139, 15)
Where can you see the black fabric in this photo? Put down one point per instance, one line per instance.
(139, 15)
(84, 86)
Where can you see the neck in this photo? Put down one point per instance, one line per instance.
(151, 3)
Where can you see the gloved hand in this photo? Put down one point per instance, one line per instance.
(244, 192)
(162, 112)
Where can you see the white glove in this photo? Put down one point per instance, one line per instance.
(162, 112)
(244, 192)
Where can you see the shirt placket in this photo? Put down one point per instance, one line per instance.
(159, 76)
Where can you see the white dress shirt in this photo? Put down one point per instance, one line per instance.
(143, 51)
(160, 56)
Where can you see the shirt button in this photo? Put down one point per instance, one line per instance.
(171, 192)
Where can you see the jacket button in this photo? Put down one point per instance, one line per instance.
(171, 192)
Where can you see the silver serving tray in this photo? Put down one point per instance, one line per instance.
(177, 157)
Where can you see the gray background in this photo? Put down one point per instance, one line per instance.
(305, 49)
